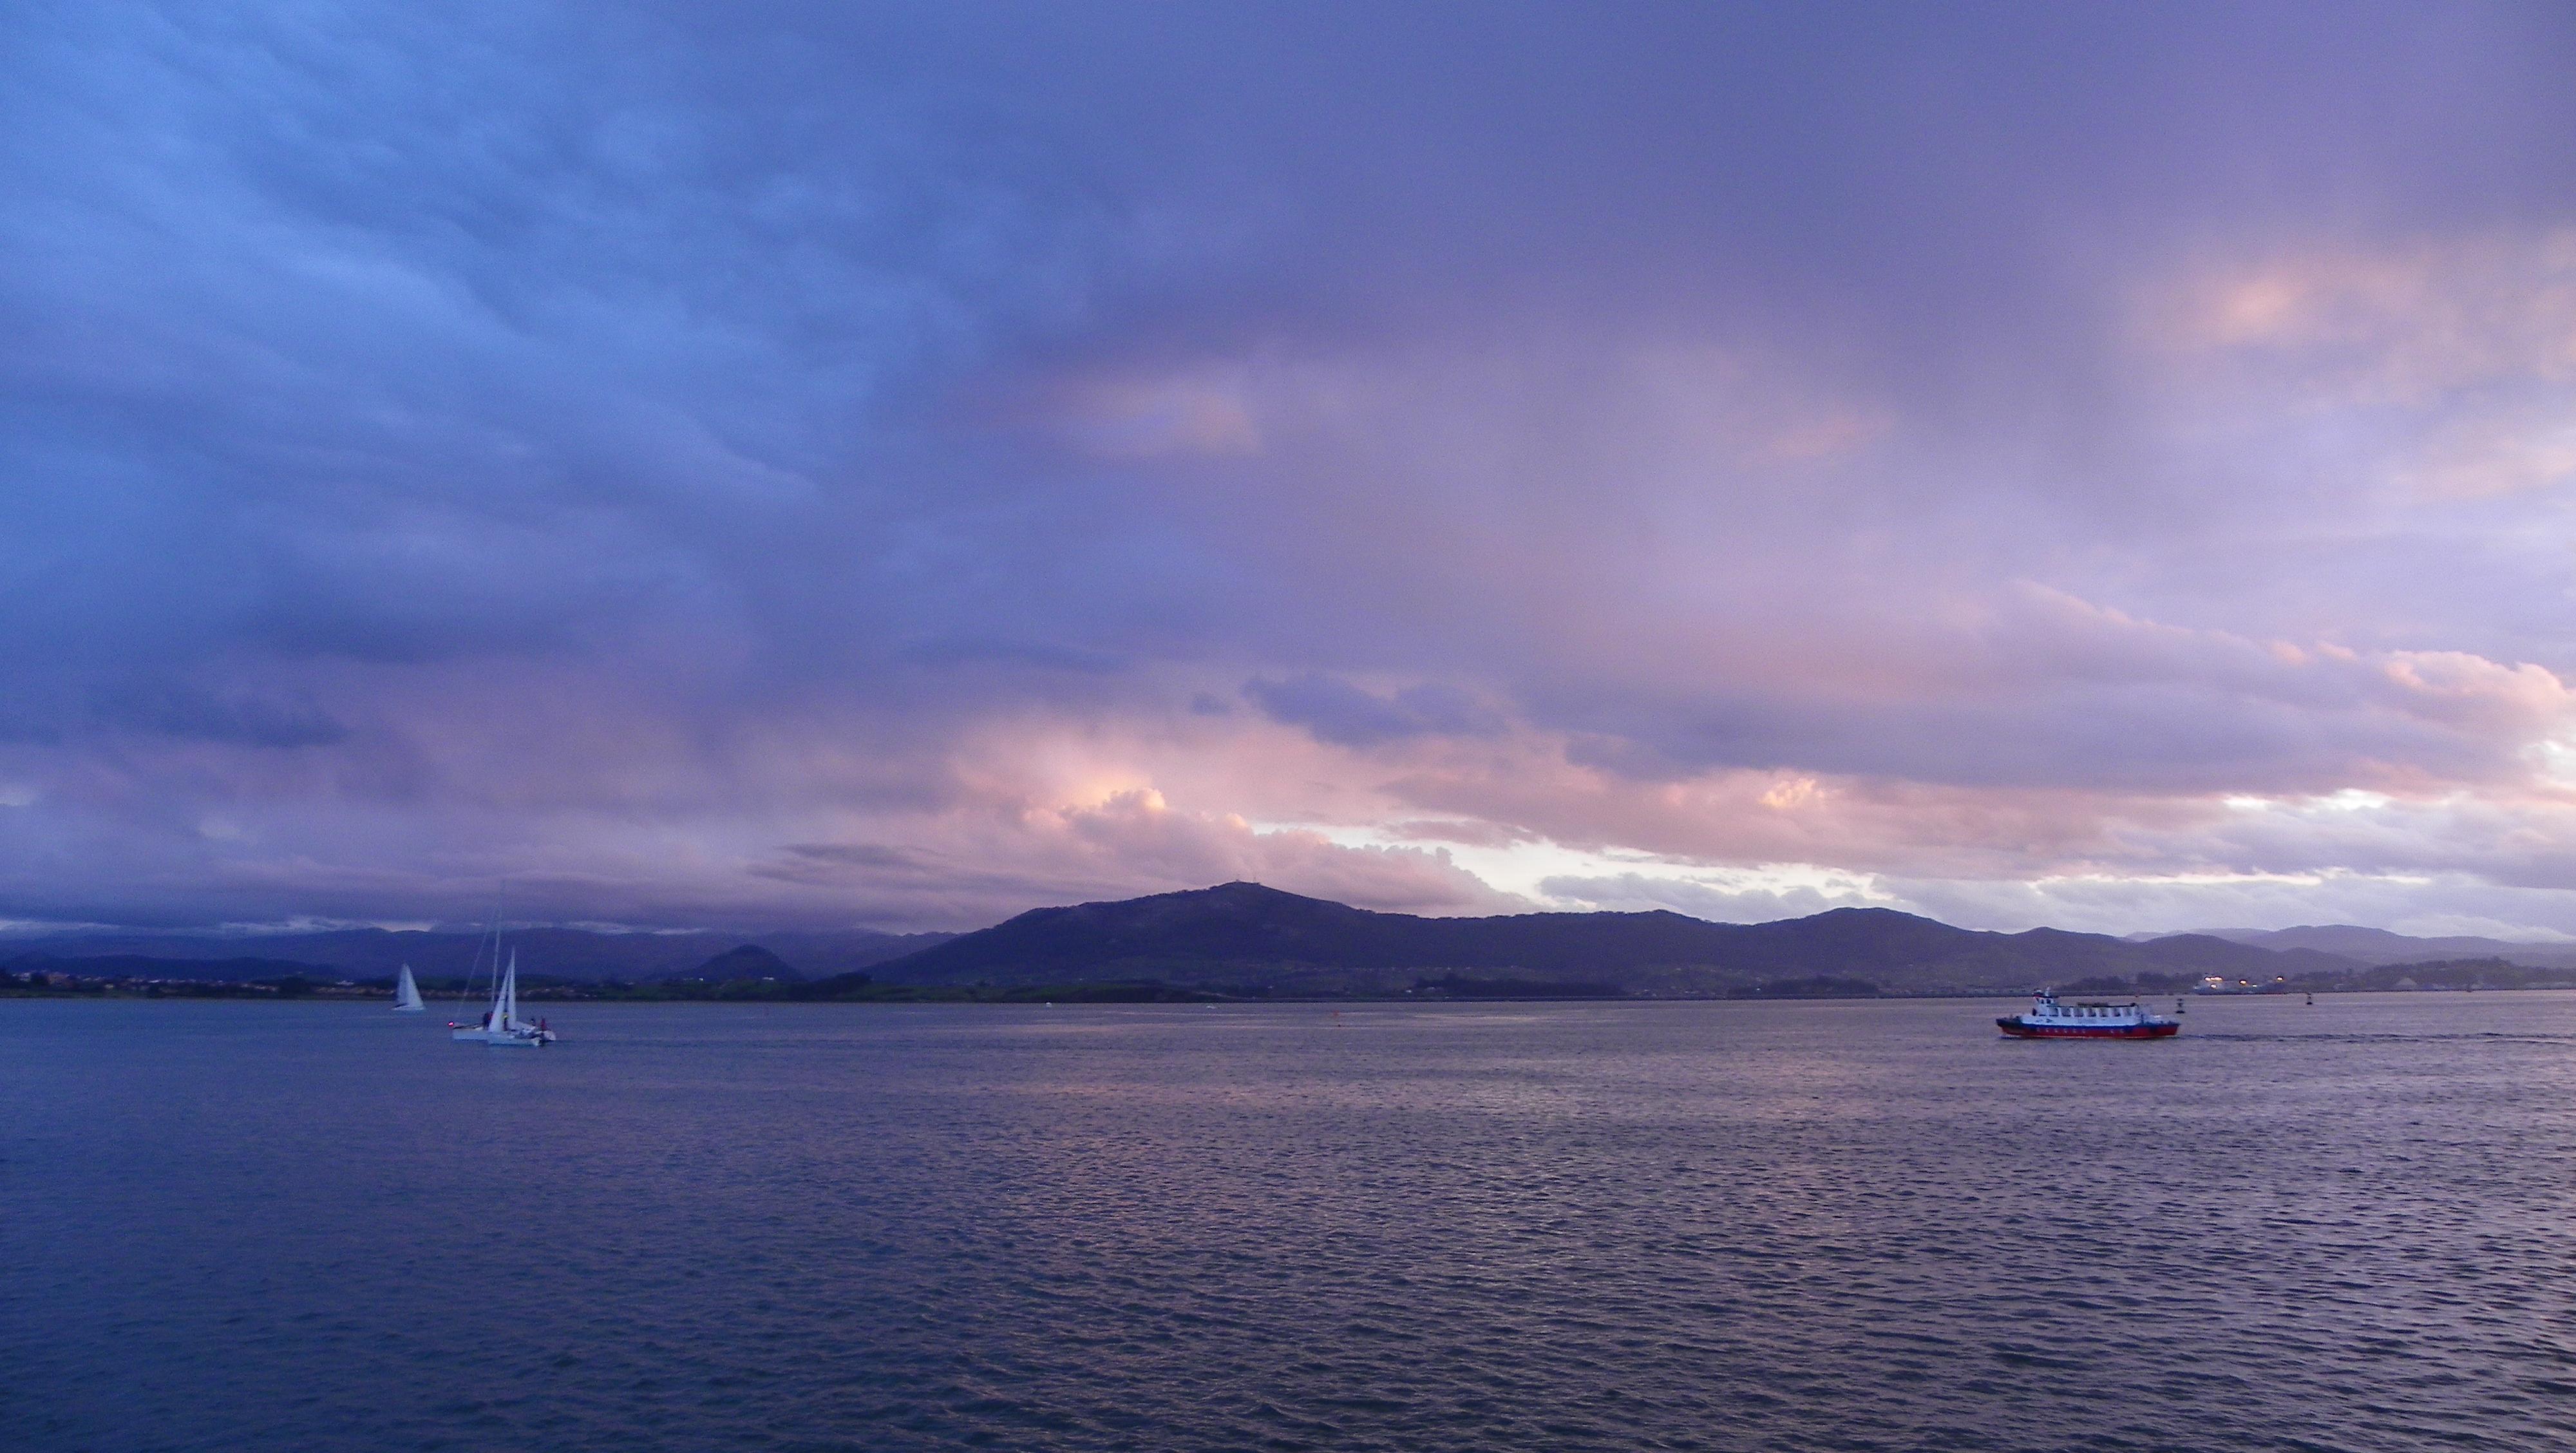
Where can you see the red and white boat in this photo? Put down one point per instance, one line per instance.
(2047, 1018)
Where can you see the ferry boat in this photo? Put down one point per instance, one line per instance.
(2047, 1018)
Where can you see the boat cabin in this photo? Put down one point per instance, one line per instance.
(2047, 1009)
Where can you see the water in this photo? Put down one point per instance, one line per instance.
(1724, 1226)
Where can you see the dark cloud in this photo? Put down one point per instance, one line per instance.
(1012, 653)
(1338, 712)
(235, 718)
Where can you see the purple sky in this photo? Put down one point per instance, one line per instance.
(741, 464)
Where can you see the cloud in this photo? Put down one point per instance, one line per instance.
(1346, 715)
(1637, 892)
(822, 464)
(2443, 365)
(2034, 688)
(1144, 418)
(238, 718)
(1134, 838)
(2404, 324)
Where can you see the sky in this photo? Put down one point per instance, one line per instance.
(746, 464)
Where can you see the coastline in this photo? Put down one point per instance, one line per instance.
(1082, 993)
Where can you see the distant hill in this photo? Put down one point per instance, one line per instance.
(139, 966)
(1246, 936)
(2379, 946)
(559, 953)
(734, 965)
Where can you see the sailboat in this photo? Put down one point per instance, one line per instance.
(407, 994)
(503, 1026)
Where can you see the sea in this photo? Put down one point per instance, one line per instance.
(1867, 1225)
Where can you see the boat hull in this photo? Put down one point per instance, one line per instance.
(501, 1040)
(2016, 1029)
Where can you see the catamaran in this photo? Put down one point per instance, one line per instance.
(407, 994)
(503, 1026)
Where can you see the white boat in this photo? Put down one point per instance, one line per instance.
(503, 1026)
(407, 994)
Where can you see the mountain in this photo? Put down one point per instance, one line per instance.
(561, 953)
(138, 966)
(2379, 946)
(1246, 936)
(750, 961)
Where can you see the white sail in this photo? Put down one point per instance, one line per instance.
(505, 1003)
(407, 994)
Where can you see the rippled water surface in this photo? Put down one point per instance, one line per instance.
(1792, 1226)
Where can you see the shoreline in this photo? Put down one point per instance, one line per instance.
(1090, 994)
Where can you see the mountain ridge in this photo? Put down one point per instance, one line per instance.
(1246, 935)
(2380, 946)
(585, 955)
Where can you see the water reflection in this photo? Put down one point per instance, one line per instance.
(1846, 1225)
